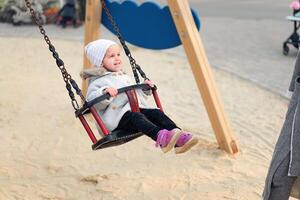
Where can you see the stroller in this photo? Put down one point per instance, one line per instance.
(293, 39)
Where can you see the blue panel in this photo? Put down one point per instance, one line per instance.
(146, 25)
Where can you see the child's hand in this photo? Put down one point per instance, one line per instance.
(111, 91)
(149, 82)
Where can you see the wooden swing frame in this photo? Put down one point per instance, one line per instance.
(192, 43)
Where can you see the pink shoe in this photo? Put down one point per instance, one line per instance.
(166, 140)
(185, 142)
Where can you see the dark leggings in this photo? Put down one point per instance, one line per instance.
(148, 121)
(66, 19)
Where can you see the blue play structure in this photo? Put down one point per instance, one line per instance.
(146, 25)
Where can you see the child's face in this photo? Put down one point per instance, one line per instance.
(112, 60)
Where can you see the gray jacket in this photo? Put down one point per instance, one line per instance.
(111, 110)
(289, 138)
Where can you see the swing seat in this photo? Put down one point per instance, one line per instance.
(115, 138)
(118, 137)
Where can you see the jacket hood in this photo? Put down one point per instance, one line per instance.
(93, 72)
(96, 72)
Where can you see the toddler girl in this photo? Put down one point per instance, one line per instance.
(106, 77)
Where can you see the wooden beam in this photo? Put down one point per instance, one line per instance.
(93, 12)
(203, 75)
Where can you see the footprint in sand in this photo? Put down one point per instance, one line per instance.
(51, 198)
(95, 179)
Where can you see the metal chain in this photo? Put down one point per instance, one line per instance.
(132, 61)
(66, 76)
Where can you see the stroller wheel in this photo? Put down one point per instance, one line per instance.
(285, 49)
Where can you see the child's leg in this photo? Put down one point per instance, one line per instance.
(159, 118)
(74, 20)
(63, 22)
(282, 183)
(138, 122)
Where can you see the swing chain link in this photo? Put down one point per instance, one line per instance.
(132, 61)
(66, 76)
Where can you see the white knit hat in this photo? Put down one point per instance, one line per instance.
(95, 51)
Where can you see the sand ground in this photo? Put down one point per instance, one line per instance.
(46, 154)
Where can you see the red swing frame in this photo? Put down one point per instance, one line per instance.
(134, 105)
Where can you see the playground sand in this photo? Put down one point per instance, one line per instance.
(46, 154)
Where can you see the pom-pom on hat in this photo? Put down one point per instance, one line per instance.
(95, 51)
(295, 5)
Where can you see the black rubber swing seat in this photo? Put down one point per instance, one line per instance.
(118, 137)
(115, 138)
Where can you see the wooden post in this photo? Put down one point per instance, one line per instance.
(92, 30)
(195, 52)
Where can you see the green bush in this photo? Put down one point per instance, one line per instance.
(2, 2)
